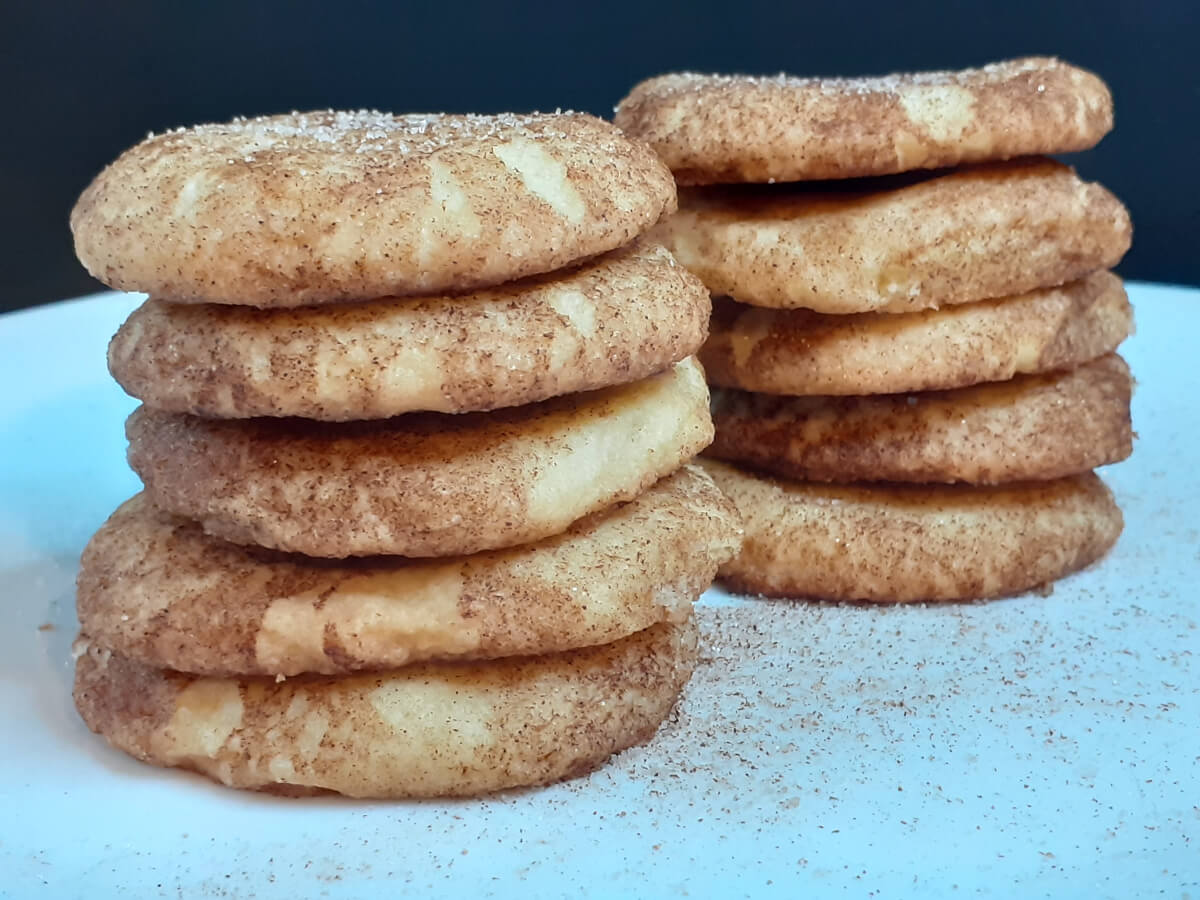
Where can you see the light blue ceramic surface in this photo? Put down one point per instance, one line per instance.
(1045, 746)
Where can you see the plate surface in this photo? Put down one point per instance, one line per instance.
(1042, 745)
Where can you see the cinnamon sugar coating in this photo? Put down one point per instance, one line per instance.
(799, 352)
(1035, 427)
(618, 318)
(323, 207)
(713, 129)
(427, 730)
(890, 543)
(900, 245)
(157, 590)
(425, 484)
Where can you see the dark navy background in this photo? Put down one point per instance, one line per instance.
(84, 80)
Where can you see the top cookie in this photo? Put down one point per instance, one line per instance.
(715, 129)
(321, 207)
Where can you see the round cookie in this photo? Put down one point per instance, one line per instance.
(428, 730)
(156, 589)
(904, 543)
(899, 245)
(330, 206)
(621, 317)
(712, 129)
(798, 352)
(423, 484)
(1035, 427)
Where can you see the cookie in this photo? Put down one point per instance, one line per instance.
(901, 245)
(429, 730)
(712, 129)
(331, 206)
(1035, 427)
(903, 543)
(424, 484)
(624, 316)
(156, 589)
(798, 352)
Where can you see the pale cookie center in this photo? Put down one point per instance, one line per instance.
(543, 176)
(206, 714)
(616, 447)
(194, 189)
(448, 195)
(944, 112)
(451, 212)
(426, 711)
(751, 329)
(576, 309)
(385, 615)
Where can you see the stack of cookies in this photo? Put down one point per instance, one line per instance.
(419, 400)
(914, 364)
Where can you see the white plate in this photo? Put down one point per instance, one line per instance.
(1040, 745)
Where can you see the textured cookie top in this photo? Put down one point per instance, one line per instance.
(155, 588)
(427, 730)
(713, 129)
(1034, 427)
(896, 543)
(899, 244)
(327, 206)
(798, 352)
(424, 484)
(620, 317)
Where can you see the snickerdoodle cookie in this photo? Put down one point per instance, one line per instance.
(713, 129)
(799, 352)
(426, 484)
(618, 318)
(916, 242)
(322, 207)
(155, 588)
(893, 543)
(425, 730)
(1032, 427)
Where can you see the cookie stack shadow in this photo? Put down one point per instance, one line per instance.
(418, 405)
(914, 330)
